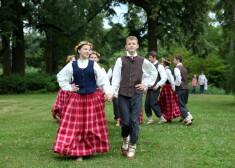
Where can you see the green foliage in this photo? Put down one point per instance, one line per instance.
(213, 66)
(30, 83)
(211, 90)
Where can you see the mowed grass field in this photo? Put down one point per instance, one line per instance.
(27, 134)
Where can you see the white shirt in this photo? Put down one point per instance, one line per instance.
(178, 77)
(162, 73)
(110, 73)
(202, 79)
(148, 78)
(66, 73)
(170, 78)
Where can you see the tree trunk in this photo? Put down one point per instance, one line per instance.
(18, 48)
(152, 34)
(231, 45)
(51, 54)
(6, 55)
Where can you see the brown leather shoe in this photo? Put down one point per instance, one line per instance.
(181, 120)
(131, 153)
(124, 150)
(188, 123)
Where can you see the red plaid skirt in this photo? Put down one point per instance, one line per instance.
(101, 94)
(61, 99)
(169, 103)
(83, 127)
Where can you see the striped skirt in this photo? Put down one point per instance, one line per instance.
(169, 103)
(83, 127)
(61, 99)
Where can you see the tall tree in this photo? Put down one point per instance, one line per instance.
(225, 12)
(172, 20)
(18, 50)
(5, 29)
(64, 24)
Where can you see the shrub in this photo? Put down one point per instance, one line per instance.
(30, 83)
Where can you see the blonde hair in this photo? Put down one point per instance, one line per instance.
(96, 53)
(131, 38)
(69, 58)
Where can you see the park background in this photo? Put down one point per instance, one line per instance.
(37, 35)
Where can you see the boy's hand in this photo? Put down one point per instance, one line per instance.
(108, 97)
(155, 88)
(140, 86)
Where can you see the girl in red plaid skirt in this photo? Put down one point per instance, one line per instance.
(83, 128)
(95, 56)
(61, 97)
(168, 99)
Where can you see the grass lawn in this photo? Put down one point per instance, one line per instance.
(27, 133)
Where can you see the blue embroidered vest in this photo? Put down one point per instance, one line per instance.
(85, 78)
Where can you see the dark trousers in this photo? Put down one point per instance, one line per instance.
(194, 90)
(182, 101)
(201, 89)
(116, 109)
(151, 102)
(130, 108)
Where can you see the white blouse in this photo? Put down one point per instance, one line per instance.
(170, 78)
(66, 74)
(162, 73)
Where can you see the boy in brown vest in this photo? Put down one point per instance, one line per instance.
(132, 73)
(151, 101)
(181, 83)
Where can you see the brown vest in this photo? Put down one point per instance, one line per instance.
(131, 75)
(158, 76)
(184, 80)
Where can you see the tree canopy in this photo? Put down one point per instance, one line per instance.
(40, 34)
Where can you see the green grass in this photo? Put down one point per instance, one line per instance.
(27, 134)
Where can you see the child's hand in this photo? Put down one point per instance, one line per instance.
(74, 87)
(140, 86)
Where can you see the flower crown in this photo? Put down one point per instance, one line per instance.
(81, 44)
(166, 60)
(69, 58)
(96, 53)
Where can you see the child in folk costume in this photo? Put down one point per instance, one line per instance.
(115, 100)
(61, 97)
(168, 99)
(131, 74)
(151, 101)
(95, 56)
(181, 83)
(83, 128)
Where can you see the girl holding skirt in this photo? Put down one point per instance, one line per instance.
(83, 127)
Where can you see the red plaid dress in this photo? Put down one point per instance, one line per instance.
(169, 103)
(61, 99)
(83, 128)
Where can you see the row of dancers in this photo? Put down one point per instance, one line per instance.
(83, 128)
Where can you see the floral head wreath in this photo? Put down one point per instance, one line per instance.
(81, 44)
(169, 62)
(69, 58)
(96, 53)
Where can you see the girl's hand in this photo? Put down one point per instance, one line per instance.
(74, 87)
